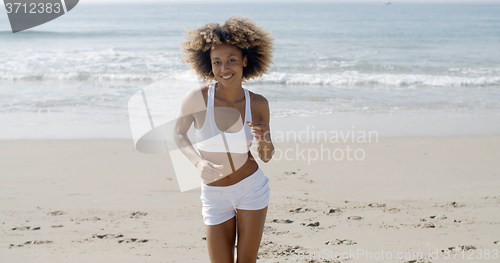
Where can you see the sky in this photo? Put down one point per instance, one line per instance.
(332, 1)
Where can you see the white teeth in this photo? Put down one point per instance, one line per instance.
(227, 77)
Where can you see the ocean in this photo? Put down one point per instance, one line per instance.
(339, 59)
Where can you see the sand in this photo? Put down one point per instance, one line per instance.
(102, 201)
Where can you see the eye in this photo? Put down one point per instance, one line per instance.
(232, 60)
(216, 62)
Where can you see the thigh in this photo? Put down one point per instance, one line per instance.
(250, 228)
(220, 241)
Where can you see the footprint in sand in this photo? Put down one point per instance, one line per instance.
(137, 214)
(133, 240)
(55, 213)
(268, 229)
(282, 221)
(107, 236)
(376, 205)
(341, 242)
(458, 248)
(278, 233)
(354, 218)
(420, 260)
(392, 210)
(438, 217)
(299, 210)
(315, 224)
(455, 204)
(427, 225)
(26, 228)
(334, 211)
(83, 240)
(269, 250)
(36, 242)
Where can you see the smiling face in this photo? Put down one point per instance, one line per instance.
(227, 64)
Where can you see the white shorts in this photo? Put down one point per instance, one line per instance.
(220, 202)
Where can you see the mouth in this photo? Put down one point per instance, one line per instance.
(227, 77)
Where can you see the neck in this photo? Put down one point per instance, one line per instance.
(229, 93)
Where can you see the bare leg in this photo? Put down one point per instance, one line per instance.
(250, 228)
(220, 241)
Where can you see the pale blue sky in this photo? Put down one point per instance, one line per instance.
(338, 1)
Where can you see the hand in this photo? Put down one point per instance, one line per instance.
(209, 171)
(260, 130)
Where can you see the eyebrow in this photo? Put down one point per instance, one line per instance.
(227, 56)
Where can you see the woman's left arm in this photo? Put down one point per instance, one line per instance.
(261, 130)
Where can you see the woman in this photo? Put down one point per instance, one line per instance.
(227, 117)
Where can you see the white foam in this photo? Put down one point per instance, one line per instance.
(354, 78)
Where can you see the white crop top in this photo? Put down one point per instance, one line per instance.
(210, 139)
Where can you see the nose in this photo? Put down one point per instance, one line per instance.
(224, 67)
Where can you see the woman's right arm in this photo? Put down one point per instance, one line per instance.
(190, 105)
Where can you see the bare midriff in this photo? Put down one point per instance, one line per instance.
(247, 169)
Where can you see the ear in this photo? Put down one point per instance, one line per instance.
(245, 61)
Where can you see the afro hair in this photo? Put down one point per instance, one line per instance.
(253, 41)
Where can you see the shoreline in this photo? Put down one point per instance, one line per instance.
(406, 124)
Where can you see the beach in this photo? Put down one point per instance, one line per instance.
(385, 121)
(102, 200)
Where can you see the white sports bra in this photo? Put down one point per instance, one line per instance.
(210, 139)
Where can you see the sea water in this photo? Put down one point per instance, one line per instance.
(69, 76)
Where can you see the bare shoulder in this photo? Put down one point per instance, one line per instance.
(195, 92)
(196, 96)
(260, 107)
(258, 100)
(195, 100)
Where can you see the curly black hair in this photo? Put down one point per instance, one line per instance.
(253, 41)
